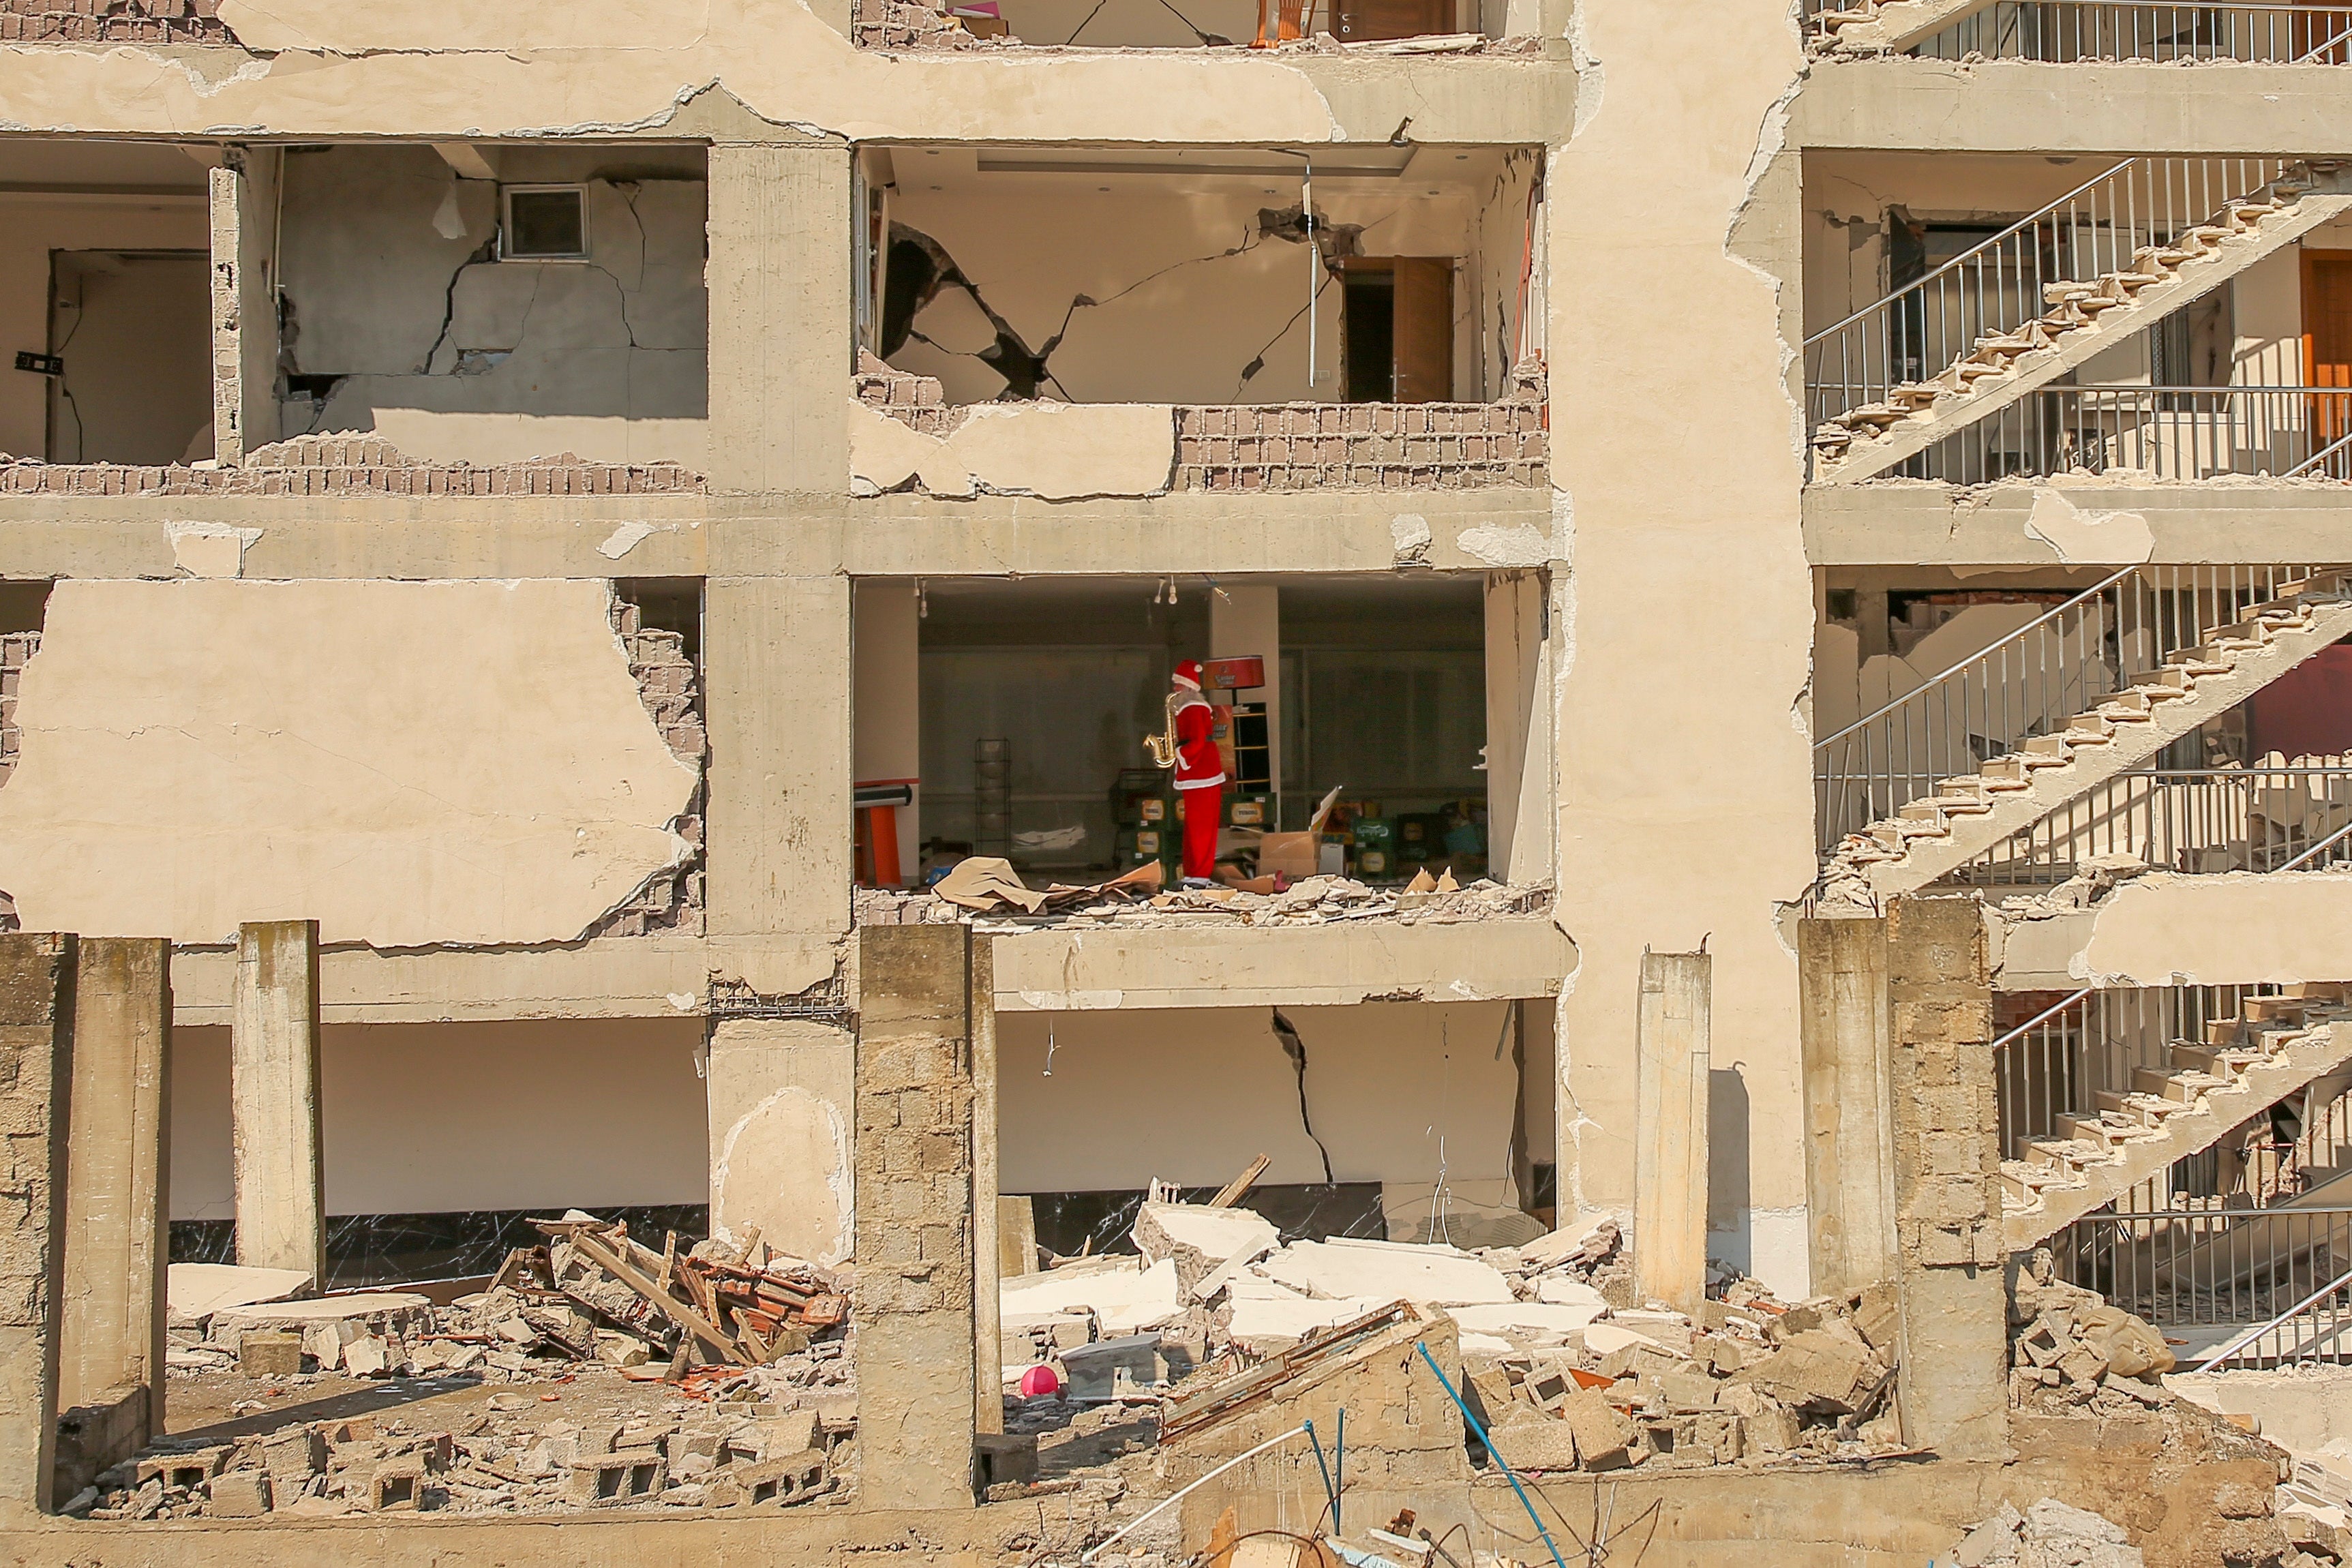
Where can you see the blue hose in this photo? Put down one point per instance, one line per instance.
(1509, 1474)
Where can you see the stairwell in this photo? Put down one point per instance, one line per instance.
(2086, 317)
(1883, 26)
(2244, 1066)
(1964, 815)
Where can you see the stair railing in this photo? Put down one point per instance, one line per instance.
(1921, 329)
(2064, 32)
(2062, 663)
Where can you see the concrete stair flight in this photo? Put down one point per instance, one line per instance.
(2085, 318)
(1962, 818)
(1886, 27)
(2245, 1066)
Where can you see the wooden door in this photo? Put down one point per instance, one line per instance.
(1424, 329)
(1364, 21)
(2328, 338)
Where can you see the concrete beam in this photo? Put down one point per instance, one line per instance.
(1848, 1109)
(274, 1098)
(1908, 524)
(468, 160)
(118, 1223)
(1336, 965)
(1670, 1141)
(2011, 106)
(36, 1007)
(918, 1273)
(2163, 929)
(615, 977)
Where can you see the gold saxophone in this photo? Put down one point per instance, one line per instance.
(1162, 746)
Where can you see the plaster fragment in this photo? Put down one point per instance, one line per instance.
(1518, 545)
(2088, 538)
(623, 539)
(209, 549)
(1411, 535)
(681, 1000)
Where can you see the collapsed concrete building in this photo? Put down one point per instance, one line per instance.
(533, 537)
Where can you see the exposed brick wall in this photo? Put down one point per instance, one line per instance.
(906, 25)
(313, 466)
(1308, 446)
(113, 22)
(1361, 445)
(671, 689)
(917, 401)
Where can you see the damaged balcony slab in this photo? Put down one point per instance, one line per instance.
(316, 466)
(1333, 965)
(2079, 522)
(1219, 532)
(616, 977)
(2163, 929)
(1926, 105)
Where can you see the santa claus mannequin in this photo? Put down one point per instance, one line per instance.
(1200, 772)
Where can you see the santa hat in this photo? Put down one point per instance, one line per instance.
(1187, 674)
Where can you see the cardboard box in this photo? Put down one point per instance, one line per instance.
(1297, 855)
(1248, 811)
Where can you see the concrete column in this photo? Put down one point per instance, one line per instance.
(118, 1220)
(1670, 1131)
(37, 988)
(886, 636)
(917, 1276)
(987, 1252)
(779, 318)
(1950, 1251)
(274, 1098)
(1849, 1110)
(776, 667)
(245, 301)
(1518, 728)
(781, 1093)
(1247, 618)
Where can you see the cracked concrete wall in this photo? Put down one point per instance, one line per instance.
(406, 762)
(1190, 291)
(453, 355)
(1679, 516)
(1404, 1094)
(551, 1113)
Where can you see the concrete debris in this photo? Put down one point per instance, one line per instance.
(2070, 1353)
(771, 1436)
(995, 899)
(1345, 1268)
(194, 1291)
(2318, 1534)
(2050, 1535)
(1200, 1240)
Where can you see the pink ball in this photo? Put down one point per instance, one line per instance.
(1038, 1382)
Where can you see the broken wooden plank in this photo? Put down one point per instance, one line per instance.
(595, 1247)
(1233, 1191)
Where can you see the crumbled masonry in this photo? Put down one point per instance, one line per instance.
(1128, 903)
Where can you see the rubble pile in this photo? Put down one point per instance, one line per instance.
(1748, 1379)
(1562, 1367)
(1001, 902)
(2072, 1353)
(2050, 1532)
(592, 1296)
(772, 1435)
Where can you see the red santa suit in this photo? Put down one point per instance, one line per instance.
(1200, 772)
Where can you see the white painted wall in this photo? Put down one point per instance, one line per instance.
(433, 1118)
(886, 699)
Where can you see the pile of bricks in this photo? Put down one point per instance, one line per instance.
(772, 1450)
(347, 466)
(918, 402)
(113, 22)
(906, 25)
(1745, 1379)
(1361, 445)
(2072, 1352)
(670, 688)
